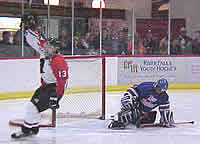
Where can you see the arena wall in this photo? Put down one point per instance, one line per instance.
(20, 77)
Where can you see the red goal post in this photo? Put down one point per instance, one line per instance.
(84, 97)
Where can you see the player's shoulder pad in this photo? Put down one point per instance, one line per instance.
(58, 59)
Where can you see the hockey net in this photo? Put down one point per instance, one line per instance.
(85, 96)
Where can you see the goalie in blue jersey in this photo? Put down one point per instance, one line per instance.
(138, 103)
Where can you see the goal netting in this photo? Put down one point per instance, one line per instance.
(85, 96)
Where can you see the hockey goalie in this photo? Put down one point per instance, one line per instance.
(138, 103)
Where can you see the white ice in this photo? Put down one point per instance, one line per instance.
(184, 103)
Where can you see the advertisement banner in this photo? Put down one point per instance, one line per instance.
(133, 70)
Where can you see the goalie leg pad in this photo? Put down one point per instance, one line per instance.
(121, 119)
(166, 118)
(124, 118)
(116, 125)
(128, 116)
(136, 113)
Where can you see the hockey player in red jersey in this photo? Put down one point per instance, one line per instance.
(54, 76)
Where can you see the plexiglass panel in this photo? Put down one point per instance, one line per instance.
(104, 27)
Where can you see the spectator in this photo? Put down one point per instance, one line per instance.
(15, 50)
(139, 48)
(65, 39)
(124, 41)
(80, 46)
(173, 49)
(149, 43)
(196, 42)
(90, 44)
(96, 45)
(163, 46)
(6, 38)
(183, 43)
(17, 39)
(5, 44)
(66, 44)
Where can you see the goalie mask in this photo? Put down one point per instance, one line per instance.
(51, 47)
(161, 85)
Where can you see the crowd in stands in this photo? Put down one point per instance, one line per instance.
(182, 44)
(11, 45)
(114, 39)
(179, 45)
(112, 44)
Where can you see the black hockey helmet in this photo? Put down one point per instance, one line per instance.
(51, 47)
(53, 41)
(31, 21)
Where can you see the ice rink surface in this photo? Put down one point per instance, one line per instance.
(184, 103)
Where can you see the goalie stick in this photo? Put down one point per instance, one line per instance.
(158, 125)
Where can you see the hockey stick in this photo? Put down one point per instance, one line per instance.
(53, 118)
(185, 122)
(158, 125)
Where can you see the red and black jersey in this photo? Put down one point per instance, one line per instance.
(55, 70)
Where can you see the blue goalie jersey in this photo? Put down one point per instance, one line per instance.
(149, 99)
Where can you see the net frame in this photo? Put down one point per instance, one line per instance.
(53, 123)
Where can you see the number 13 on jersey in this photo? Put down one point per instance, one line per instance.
(62, 74)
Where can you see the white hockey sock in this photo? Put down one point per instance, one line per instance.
(32, 116)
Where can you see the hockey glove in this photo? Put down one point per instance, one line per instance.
(54, 101)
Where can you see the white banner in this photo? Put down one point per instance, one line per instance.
(175, 69)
